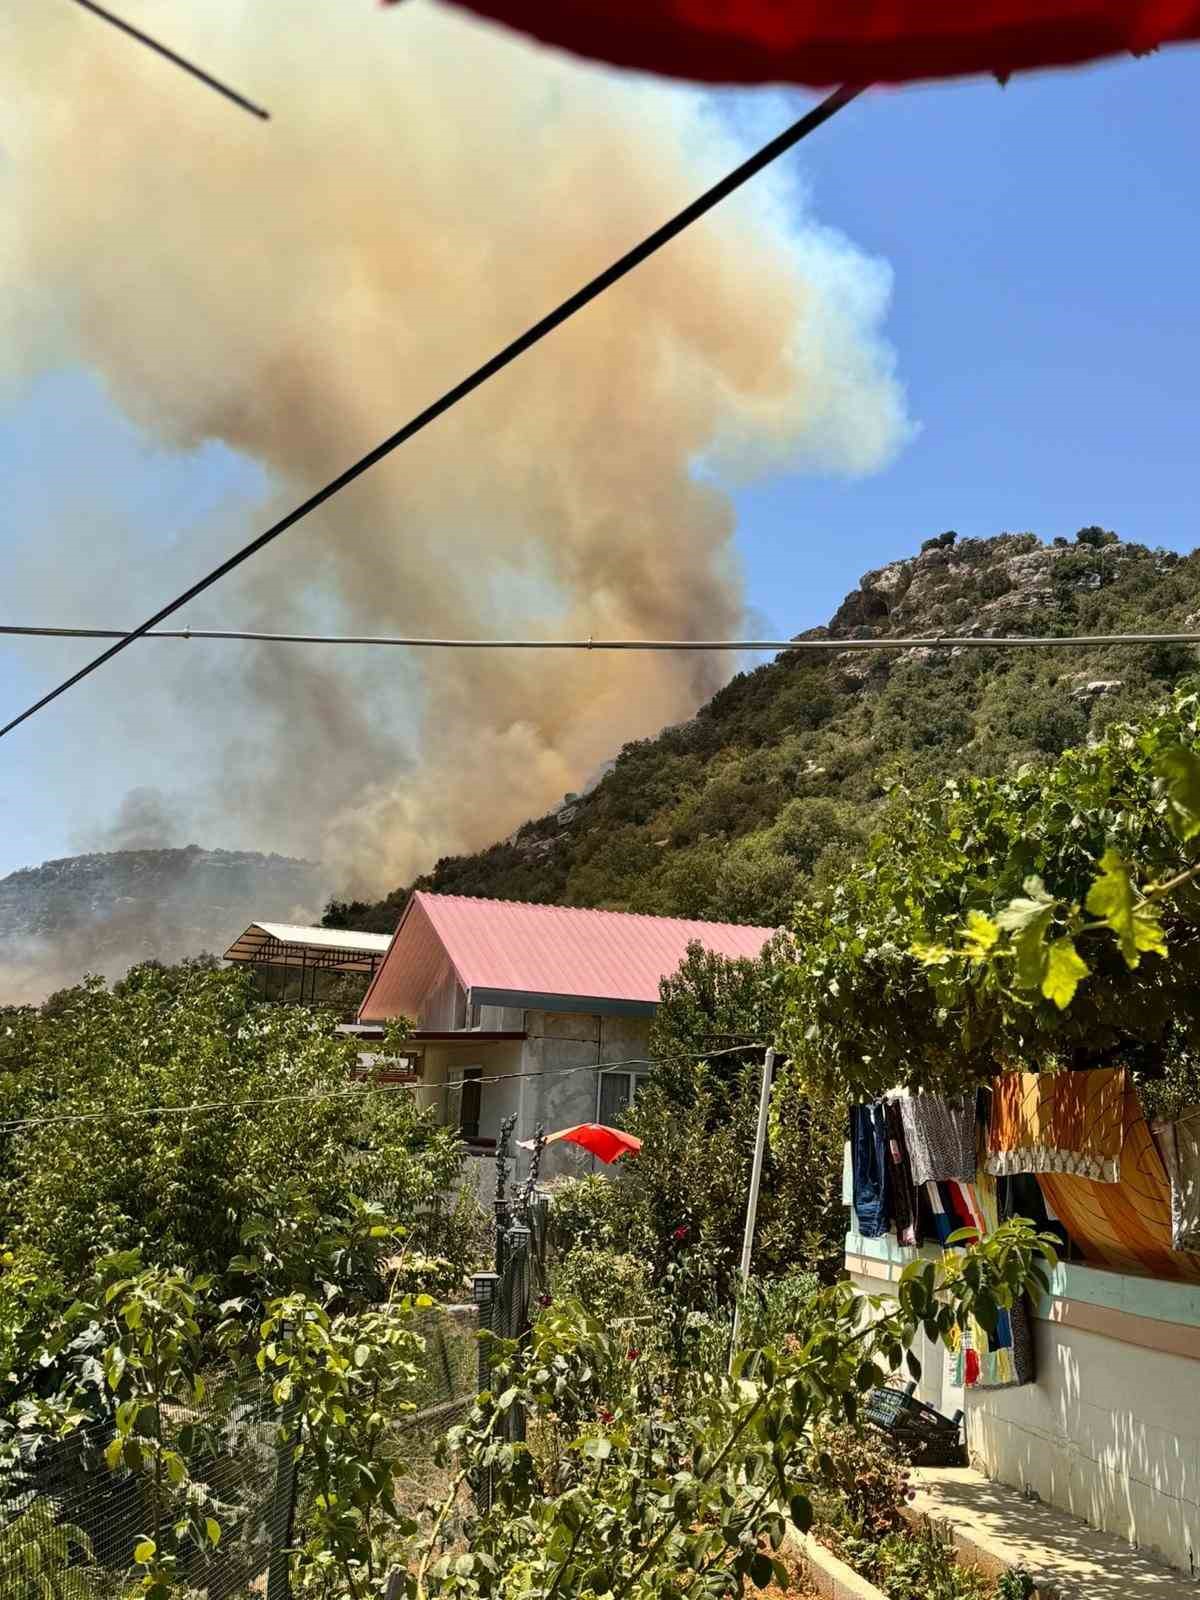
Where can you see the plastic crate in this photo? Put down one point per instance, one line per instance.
(924, 1434)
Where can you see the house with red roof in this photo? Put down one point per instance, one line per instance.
(534, 1011)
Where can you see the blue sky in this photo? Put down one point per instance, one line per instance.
(1043, 240)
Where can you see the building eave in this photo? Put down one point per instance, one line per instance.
(584, 1004)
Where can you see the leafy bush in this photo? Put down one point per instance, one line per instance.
(915, 1566)
(1003, 919)
(296, 1140)
(776, 1310)
(588, 1213)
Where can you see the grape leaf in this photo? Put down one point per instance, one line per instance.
(1065, 971)
(1136, 922)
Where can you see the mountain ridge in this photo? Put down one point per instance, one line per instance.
(771, 786)
(103, 910)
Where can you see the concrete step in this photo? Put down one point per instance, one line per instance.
(998, 1529)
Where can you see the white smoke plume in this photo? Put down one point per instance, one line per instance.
(295, 290)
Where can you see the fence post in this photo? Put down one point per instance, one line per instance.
(483, 1292)
(283, 1504)
(516, 1310)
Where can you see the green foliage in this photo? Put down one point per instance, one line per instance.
(117, 1164)
(1015, 1584)
(588, 1213)
(344, 1381)
(645, 1500)
(39, 1557)
(914, 1565)
(697, 1119)
(1013, 919)
(771, 792)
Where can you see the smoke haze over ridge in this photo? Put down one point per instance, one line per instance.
(290, 292)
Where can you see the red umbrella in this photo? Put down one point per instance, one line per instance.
(821, 42)
(607, 1143)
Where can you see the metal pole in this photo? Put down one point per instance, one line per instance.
(760, 1143)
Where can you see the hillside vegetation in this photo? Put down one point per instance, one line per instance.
(771, 787)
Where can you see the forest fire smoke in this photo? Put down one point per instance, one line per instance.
(294, 290)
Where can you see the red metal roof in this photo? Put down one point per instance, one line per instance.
(514, 949)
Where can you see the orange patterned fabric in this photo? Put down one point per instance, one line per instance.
(1058, 1122)
(1124, 1226)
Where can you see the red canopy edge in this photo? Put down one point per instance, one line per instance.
(823, 42)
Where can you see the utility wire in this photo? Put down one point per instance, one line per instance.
(582, 297)
(180, 61)
(942, 641)
(380, 1088)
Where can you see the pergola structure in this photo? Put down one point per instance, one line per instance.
(280, 950)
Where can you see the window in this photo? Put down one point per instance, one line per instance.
(616, 1094)
(472, 1093)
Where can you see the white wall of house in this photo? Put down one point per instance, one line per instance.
(1110, 1430)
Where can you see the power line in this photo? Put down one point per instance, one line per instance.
(180, 61)
(14, 1123)
(942, 641)
(582, 297)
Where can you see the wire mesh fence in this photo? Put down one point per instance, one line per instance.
(70, 1523)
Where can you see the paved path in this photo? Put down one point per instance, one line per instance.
(999, 1528)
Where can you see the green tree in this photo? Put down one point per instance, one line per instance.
(103, 1150)
(1049, 916)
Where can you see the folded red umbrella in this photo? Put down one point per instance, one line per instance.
(596, 1138)
(822, 42)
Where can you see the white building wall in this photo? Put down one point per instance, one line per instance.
(1109, 1432)
(1110, 1429)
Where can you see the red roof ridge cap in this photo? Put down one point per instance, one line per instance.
(591, 911)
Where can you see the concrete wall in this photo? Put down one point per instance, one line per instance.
(557, 1099)
(445, 1064)
(1110, 1431)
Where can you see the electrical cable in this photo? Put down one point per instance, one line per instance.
(177, 60)
(654, 242)
(825, 645)
(14, 1123)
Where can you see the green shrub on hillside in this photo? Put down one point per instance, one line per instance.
(693, 821)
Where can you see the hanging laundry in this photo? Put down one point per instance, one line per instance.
(870, 1163)
(1021, 1196)
(940, 1137)
(1069, 1122)
(1179, 1146)
(904, 1189)
(947, 1208)
(1124, 1226)
(1002, 1359)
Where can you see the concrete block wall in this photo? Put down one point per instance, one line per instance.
(558, 1099)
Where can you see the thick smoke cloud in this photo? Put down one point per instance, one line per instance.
(296, 289)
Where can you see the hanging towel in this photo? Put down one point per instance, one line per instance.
(1002, 1359)
(1058, 1122)
(1124, 1226)
(869, 1154)
(1179, 1146)
(940, 1137)
(904, 1190)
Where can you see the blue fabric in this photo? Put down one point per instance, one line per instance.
(872, 1181)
